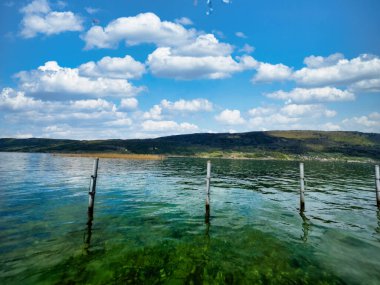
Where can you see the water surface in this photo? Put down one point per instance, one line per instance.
(149, 225)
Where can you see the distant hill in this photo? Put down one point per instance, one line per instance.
(272, 144)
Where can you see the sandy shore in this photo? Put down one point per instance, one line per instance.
(115, 156)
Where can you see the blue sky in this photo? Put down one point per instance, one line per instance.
(149, 68)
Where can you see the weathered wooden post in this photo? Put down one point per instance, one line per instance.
(91, 193)
(302, 190)
(208, 178)
(377, 175)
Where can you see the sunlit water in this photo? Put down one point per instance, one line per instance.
(149, 225)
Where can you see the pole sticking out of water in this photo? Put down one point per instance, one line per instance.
(208, 178)
(377, 174)
(302, 192)
(91, 193)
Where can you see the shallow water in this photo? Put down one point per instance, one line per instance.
(149, 225)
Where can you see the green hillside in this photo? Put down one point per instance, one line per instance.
(273, 144)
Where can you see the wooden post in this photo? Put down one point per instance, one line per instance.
(91, 193)
(208, 178)
(377, 175)
(302, 192)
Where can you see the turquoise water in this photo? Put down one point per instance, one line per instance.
(149, 225)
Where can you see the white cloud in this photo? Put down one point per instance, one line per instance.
(374, 116)
(195, 105)
(160, 126)
(272, 121)
(367, 123)
(143, 28)
(82, 119)
(204, 45)
(180, 106)
(128, 103)
(51, 78)
(325, 94)
(358, 74)
(267, 72)
(154, 113)
(311, 110)
(261, 111)
(77, 112)
(119, 122)
(180, 54)
(35, 7)
(370, 85)
(16, 100)
(240, 35)
(38, 18)
(99, 104)
(163, 63)
(338, 71)
(230, 117)
(363, 121)
(331, 127)
(184, 21)
(247, 49)
(290, 116)
(320, 61)
(113, 67)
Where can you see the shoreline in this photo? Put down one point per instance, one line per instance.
(130, 156)
(113, 156)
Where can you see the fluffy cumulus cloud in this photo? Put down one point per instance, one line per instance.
(56, 112)
(195, 105)
(320, 61)
(290, 116)
(204, 45)
(180, 53)
(358, 74)
(16, 100)
(143, 28)
(82, 119)
(38, 18)
(323, 94)
(164, 63)
(230, 117)
(155, 113)
(113, 67)
(166, 126)
(166, 107)
(93, 104)
(339, 71)
(129, 103)
(367, 85)
(267, 72)
(311, 110)
(366, 123)
(52, 78)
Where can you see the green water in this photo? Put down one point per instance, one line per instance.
(149, 225)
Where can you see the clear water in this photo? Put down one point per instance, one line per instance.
(149, 225)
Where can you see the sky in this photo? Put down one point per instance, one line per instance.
(95, 69)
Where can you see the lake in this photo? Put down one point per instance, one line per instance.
(149, 223)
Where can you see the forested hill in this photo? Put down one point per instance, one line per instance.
(277, 144)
